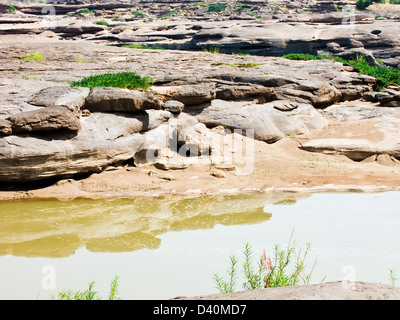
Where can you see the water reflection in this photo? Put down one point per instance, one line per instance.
(55, 228)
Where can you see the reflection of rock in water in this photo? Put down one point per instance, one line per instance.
(59, 228)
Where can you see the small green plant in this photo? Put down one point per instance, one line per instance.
(101, 22)
(286, 268)
(35, 56)
(139, 14)
(11, 9)
(80, 59)
(128, 80)
(84, 11)
(392, 277)
(211, 49)
(88, 294)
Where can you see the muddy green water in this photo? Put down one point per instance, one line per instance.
(162, 248)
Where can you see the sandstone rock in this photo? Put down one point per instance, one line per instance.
(387, 97)
(188, 94)
(166, 176)
(104, 140)
(5, 127)
(45, 119)
(60, 96)
(319, 94)
(106, 99)
(218, 173)
(354, 149)
(268, 123)
(225, 167)
(173, 106)
(171, 165)
(242, 92)
(194, 140)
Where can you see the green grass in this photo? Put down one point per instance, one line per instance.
(11, 9)
(386, 76)
(138, 46)
(211, 49)
(88, 294)
(139, 14)
(286, 268)
(84, 11)
(101, 22)
(35, 56)
(216, 8)
(128, 80)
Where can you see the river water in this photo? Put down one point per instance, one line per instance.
(162, 248)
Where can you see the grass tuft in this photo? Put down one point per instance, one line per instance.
(36, 56)
(128, 80)
(101, 22)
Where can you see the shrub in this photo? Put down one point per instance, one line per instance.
(128, 80)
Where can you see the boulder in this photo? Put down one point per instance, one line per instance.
(45, 119)
(173, 106)
(191, 94)
(194, 140)
(60, 96)
(388, 98)
(107, 99)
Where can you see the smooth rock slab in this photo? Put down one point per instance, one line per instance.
(269, 123)
(354, 149)
(107, 99)
(60, 96)
(45, 119)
